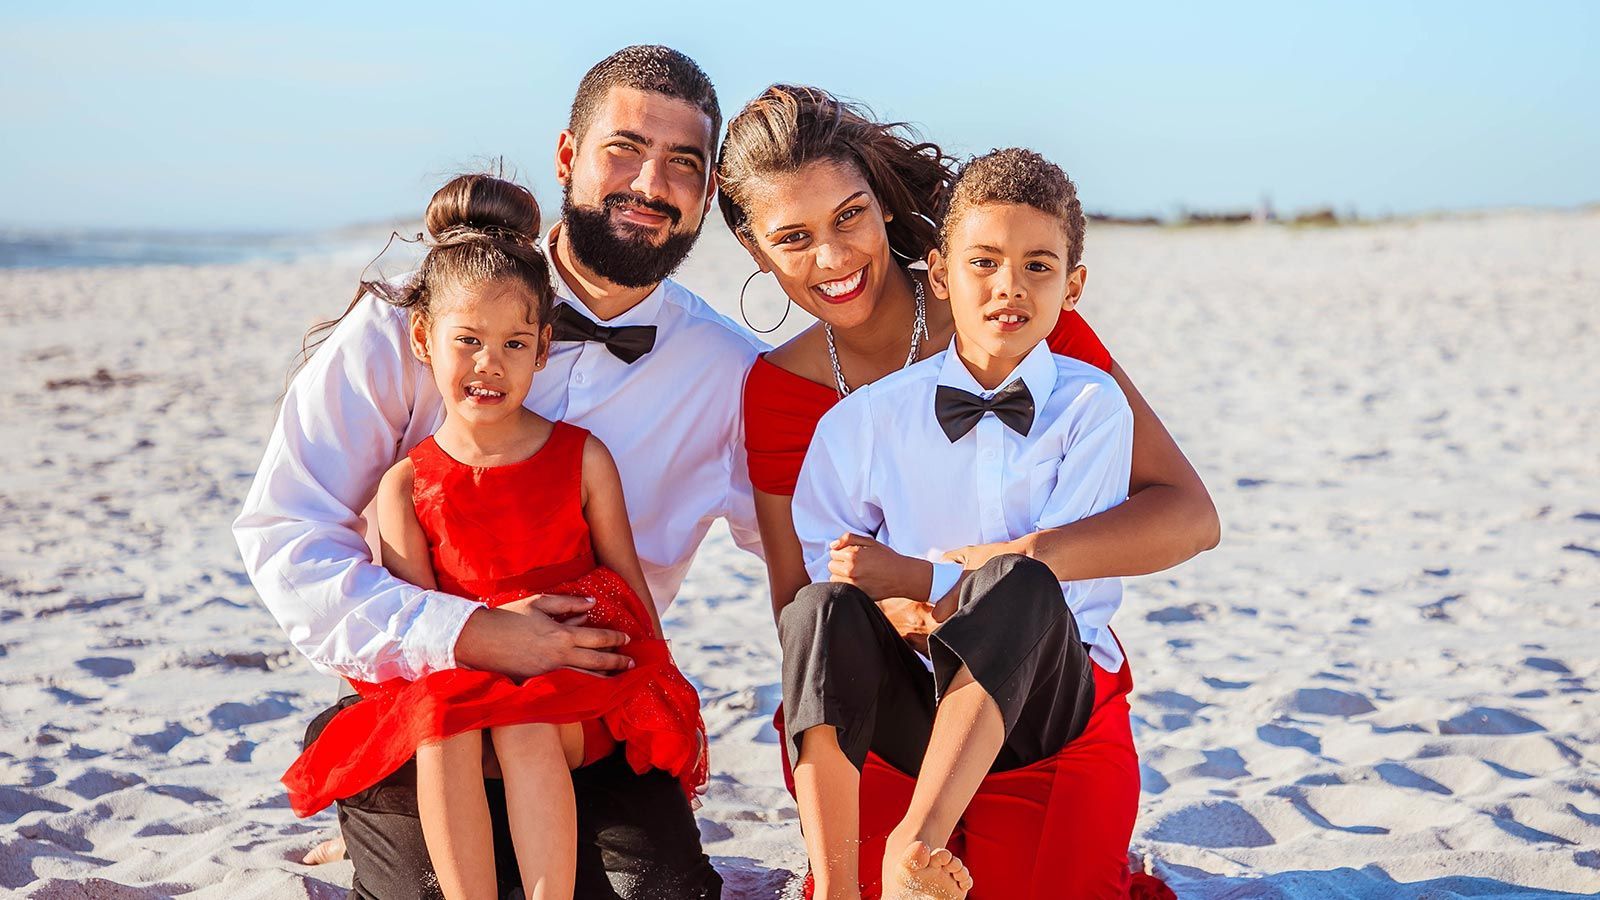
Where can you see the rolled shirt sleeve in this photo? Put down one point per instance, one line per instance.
(342, 425)
(1095, 468)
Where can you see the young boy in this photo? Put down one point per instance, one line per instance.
(988, 441)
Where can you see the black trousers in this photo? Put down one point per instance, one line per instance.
(844, 665)
(637, 837)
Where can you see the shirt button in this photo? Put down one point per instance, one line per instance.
(990, 454)
(579, 378)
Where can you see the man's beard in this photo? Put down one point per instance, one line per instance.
(628, 259)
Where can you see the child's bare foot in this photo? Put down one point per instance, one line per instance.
(331, 850)
(922, 873)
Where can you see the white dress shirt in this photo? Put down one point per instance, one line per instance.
(881, 466)
(673, 420)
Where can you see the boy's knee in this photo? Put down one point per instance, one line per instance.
(1017, 572)
(816, 604)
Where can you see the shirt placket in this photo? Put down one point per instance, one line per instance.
(582, 384)
(988, 469)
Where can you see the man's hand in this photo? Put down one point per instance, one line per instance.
(878, 571)
(521, 639)
(913, 619)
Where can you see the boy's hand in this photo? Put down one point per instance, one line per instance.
(878, 571)
(912, 619)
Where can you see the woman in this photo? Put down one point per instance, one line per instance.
(835, 206)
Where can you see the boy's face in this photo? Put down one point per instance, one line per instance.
(482, 348)
(1007, 280)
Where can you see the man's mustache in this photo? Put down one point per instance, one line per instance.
(623, 201)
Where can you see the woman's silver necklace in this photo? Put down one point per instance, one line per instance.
(919, 333)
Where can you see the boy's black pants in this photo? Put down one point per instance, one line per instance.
(844, 665)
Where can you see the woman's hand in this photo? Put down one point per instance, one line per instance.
(973, 556)
(913, 619)
(878, 571)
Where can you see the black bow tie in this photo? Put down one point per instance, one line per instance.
(626, 342)
(958, 411)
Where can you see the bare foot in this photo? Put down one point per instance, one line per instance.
(921, 873)
(331, 850)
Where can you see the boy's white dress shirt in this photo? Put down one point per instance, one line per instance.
(881, 466)
(673, 420)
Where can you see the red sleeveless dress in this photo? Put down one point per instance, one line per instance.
(1072, 812)
(499, 534)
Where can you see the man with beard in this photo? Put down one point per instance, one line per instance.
(638, 360)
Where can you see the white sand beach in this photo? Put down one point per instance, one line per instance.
(1382, 684)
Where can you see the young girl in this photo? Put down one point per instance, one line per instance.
(500, 504)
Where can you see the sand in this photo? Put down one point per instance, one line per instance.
(1382, 684)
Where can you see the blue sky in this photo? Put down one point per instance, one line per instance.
(294, 115)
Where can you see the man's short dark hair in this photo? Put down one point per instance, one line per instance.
(1017, 176)
(644, 67)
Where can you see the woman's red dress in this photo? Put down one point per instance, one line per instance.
(499, 534)
(1057, 828)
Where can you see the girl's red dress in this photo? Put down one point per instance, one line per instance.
(498, 534)
(1057, 828)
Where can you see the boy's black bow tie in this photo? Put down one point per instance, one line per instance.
(626, 342)
(958, 411)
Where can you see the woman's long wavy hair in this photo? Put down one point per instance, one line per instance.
(481, 228)
(788, 126)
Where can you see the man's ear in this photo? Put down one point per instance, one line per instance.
(545, 334)
(1075, 282)
(939, 274)
(566, 152)
(419, 338)
(711, 191)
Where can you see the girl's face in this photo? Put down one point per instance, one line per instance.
(482, 349)
(821, 231)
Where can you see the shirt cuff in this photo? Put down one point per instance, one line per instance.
(945, 576)
(433, 633)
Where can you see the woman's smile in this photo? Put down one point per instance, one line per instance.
(843, 290)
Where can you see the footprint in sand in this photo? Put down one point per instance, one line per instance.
(1213, 824)
(1400, 776)
(238, 715)
(1329, 702)
(1284, 736)
(1488, 720)
(99, 782)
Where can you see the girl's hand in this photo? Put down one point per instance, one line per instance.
(878, 571)
(913, 619)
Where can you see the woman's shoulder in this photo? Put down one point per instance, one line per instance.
(788, 377)
(801, 354)
(1073, 337)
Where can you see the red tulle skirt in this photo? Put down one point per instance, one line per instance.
(651, 709)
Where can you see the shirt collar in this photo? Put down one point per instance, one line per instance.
(645, 312)
(1037, 370)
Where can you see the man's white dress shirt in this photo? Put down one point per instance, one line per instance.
(881, 466)
(673, 421)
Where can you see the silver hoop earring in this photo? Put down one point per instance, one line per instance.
(786, 304)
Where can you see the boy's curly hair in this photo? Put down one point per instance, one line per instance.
(1015, 175)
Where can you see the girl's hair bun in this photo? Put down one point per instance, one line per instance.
(483, 203)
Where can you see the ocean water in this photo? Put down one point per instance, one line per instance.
(21, 249)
